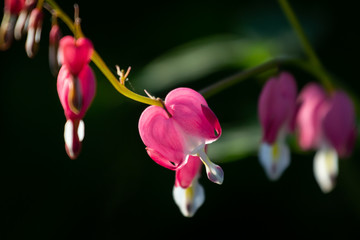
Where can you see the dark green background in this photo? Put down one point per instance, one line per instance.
(114, 190)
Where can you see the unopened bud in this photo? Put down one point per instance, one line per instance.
(54, 39)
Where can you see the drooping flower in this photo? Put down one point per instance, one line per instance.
(12, 9)
(54, 41)
(327, 124)
(34, 32)
(188, 194)
(179, 130)
(76, 87)
(276, 108)
(22, 22)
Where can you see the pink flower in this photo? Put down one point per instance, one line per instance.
(54, 41)
(12, 9)
(325, 123)
(75, 53)
(76, 89)
(188, 194)
(34, 32)
(179, 130)
(276, 108)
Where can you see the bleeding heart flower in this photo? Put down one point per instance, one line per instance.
(179, 130)
(276, 108)
(54, 40)
(34, 32)
(325, 123)
(188, 194)
(75, 53)
(76, 94)
(12, 9)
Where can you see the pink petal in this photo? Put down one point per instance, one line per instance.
(190, 111)
(160, 159)
(313, 105)
(277, 105)
(14, 6)
(75, 53)
(160, 133)
(87, 82)
(339, 123)
(185, 175)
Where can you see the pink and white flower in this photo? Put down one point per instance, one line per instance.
(188, 194)
(76, 87)
(179, 130)
(325, 123)
(276, 108)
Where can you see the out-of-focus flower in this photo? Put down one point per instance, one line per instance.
(76, 91)
(34, 32)
(12, 9)
(179, 130)
(54, 39)
(325, 123)
(22, 22)
(276, 109)
(188, 194)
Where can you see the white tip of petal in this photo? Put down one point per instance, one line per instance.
(189, 199)
(274, 159)
(326, 168)
(81, 130)
(68, 134)
(213, 171)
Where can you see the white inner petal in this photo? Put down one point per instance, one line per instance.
(68, 135)
(274, 158)
(326, 168)
(81, 130)
(213, 171)
(189, 199)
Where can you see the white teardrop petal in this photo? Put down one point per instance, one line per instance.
(68, 135)
(189, 199)
(326, 168)
(274, 159)
(81, 130)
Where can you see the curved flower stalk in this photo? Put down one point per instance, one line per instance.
(276, 108)
(179, 130)
(188, 194)
(76, 88)
(325, 123)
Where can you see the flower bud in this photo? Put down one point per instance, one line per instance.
(34, 32)
(54, 39)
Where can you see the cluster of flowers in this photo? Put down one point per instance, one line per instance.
(321, 121)
(176, 135)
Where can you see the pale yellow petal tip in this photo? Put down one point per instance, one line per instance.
(326, 168)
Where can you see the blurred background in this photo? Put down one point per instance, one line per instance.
(114, 190)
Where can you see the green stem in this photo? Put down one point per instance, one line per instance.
(262, 68)
(313, 58)
(97, 60)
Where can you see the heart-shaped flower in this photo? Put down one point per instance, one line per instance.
(75, 53)
(179, 130)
